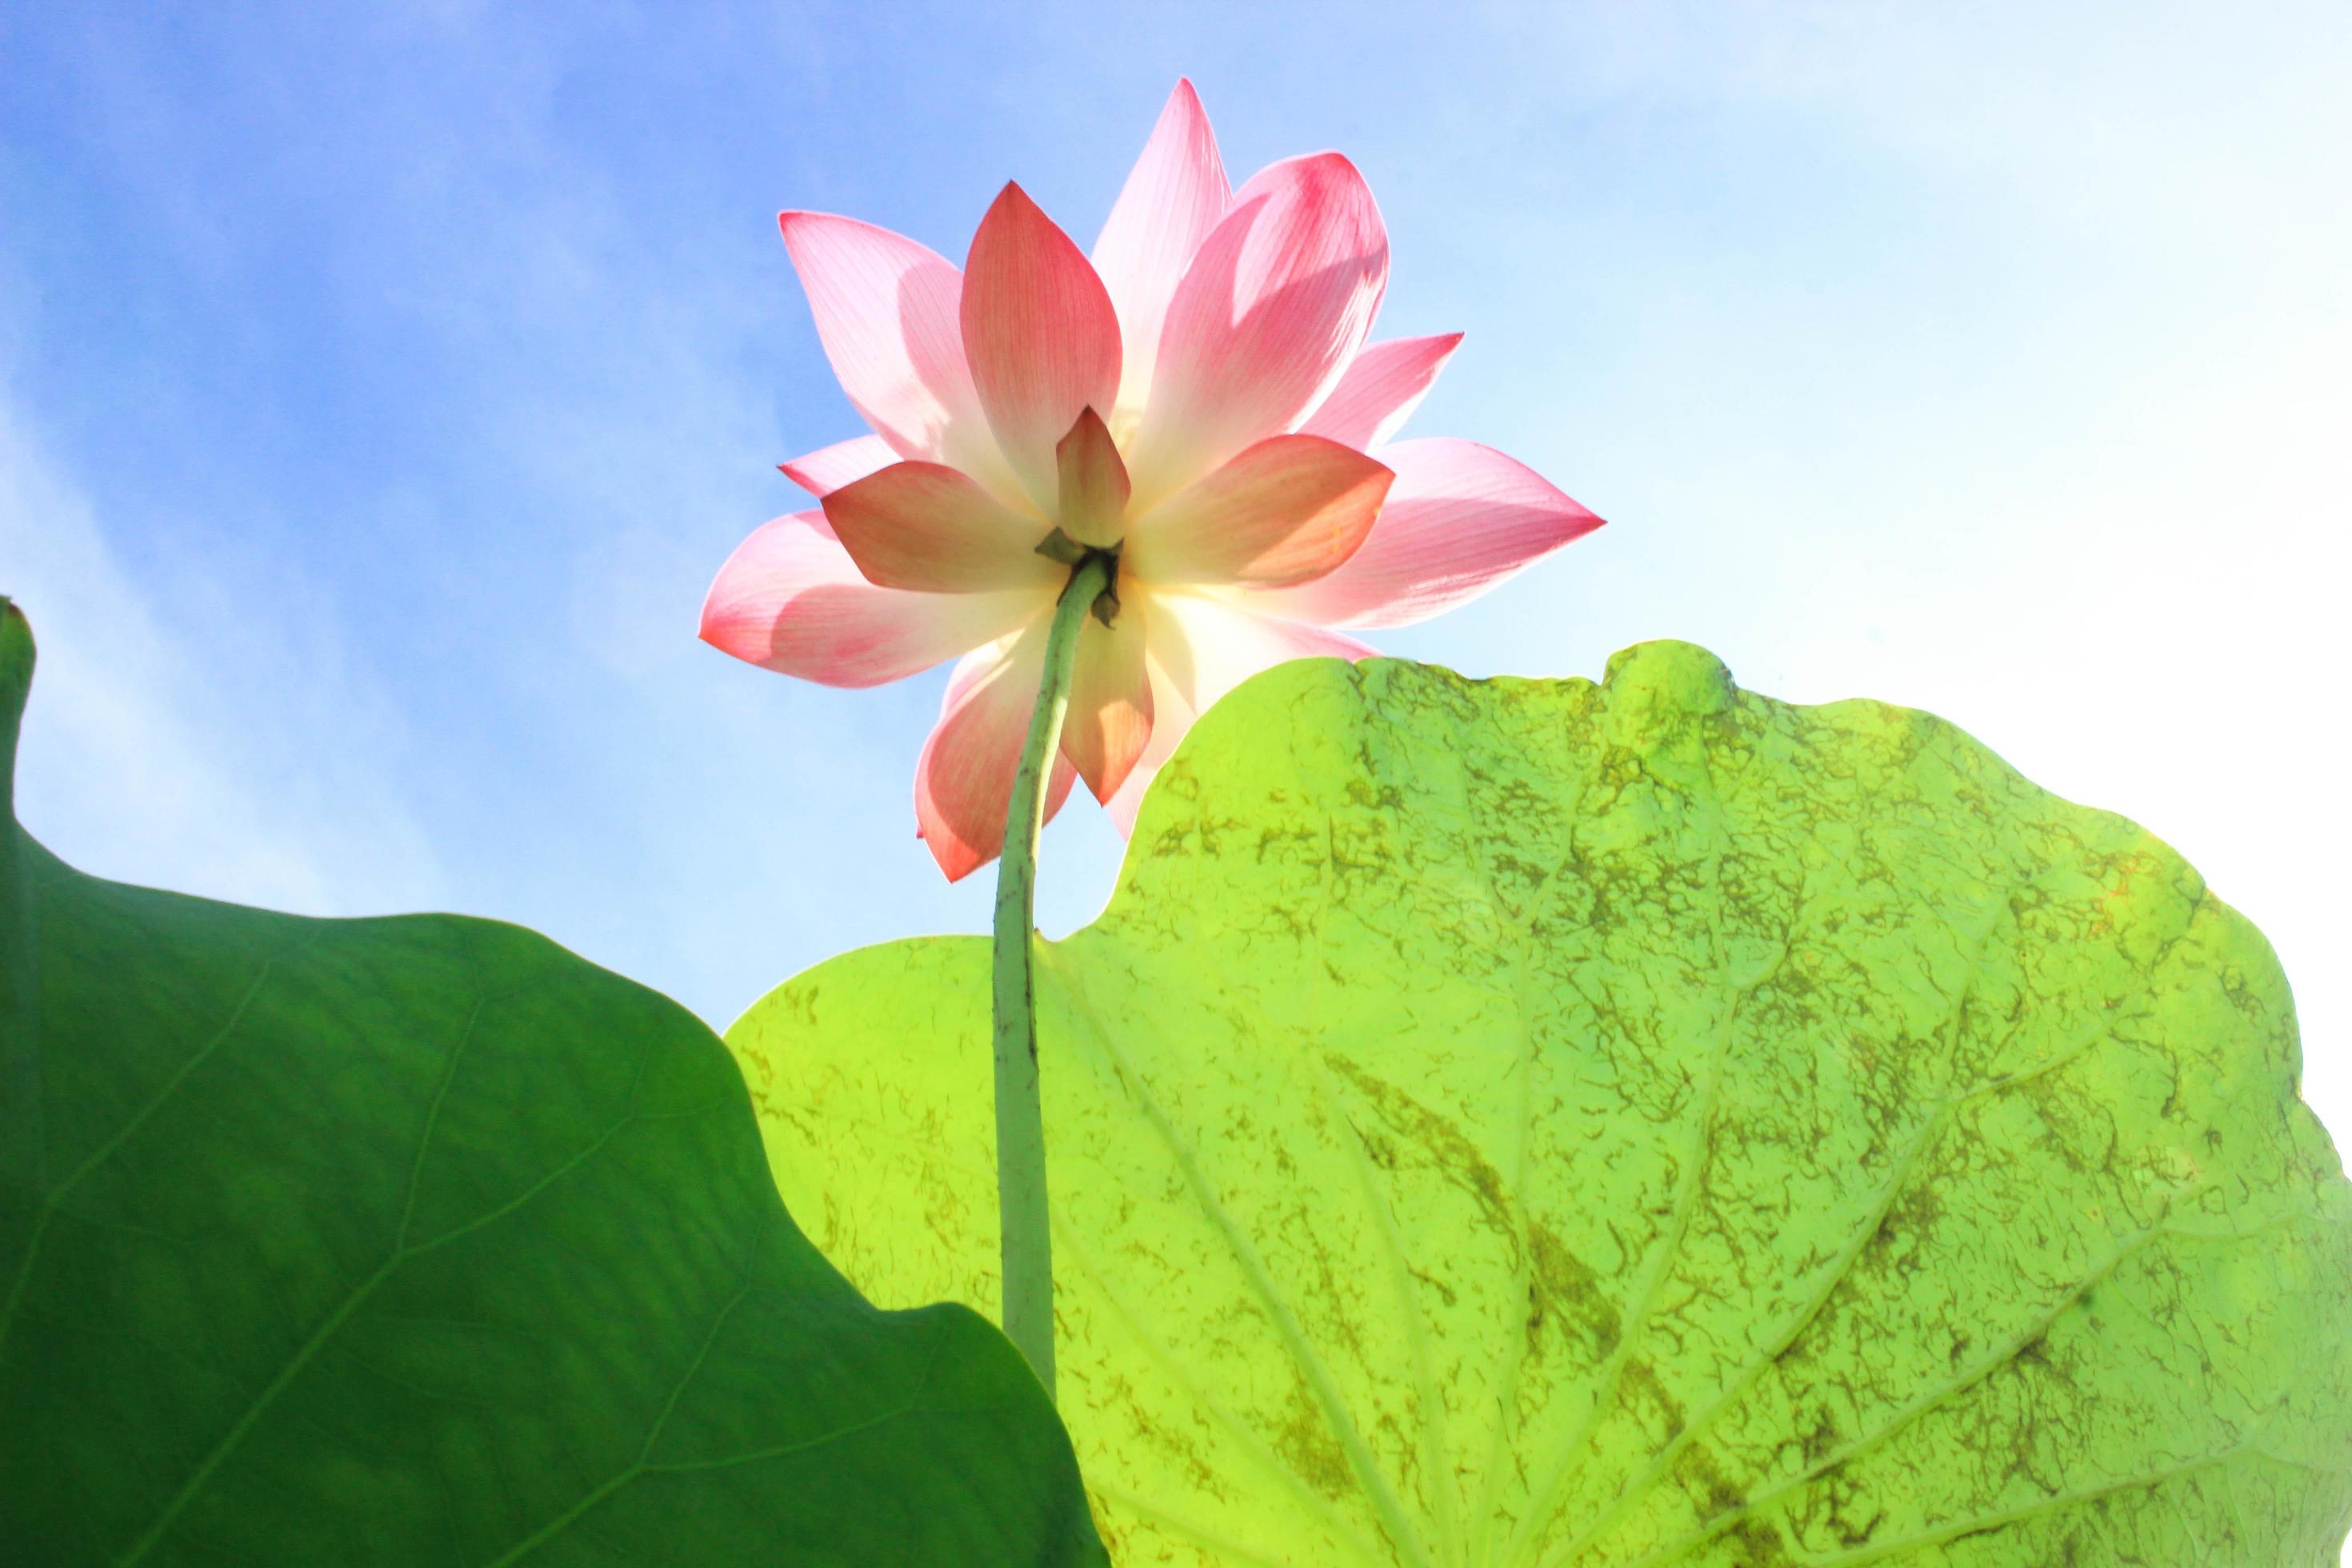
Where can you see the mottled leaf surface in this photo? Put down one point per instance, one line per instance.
(1542, 1123)
(421, 1241)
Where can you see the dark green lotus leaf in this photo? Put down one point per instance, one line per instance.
(1533, 1124)
(424, 1241)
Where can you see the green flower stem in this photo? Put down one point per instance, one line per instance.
(1026, 1240)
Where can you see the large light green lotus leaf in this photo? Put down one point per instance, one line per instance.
(1526, 1122)
(422, 1241)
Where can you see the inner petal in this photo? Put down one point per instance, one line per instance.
(1040, 333)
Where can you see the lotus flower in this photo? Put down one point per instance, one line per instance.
(1199, 395)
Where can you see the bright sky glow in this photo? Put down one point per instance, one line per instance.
(379, 391)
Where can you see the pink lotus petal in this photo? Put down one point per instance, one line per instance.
(964, 782)
(1290, 508)
(790, 599)
(1171, 202)
(1275, 304)
(1110, 721)
(1208, 645)
(930, 529)
(1460, 519)
(887, 311)
(1093, 483)
(978, 666)
(1040, 333)
(1171, 716)
(1201, 648)
(1380, 389)
(830, 467)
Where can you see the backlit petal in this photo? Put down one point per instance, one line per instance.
(887, 311)
(1380, 389)
(1460, 519)
(930, 529)
(1094, 487)
(1040, 334)
(1200, 650)
(790, 599)
(1208, 645)
(1171, 200)
(964, 782)
(1275, 304)
(830, 467)
(1170, 717)
(1110, 720)
(1288, 508)
(974, 668)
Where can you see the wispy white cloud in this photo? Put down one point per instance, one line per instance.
(178, 737)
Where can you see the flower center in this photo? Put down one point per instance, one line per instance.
(1059, 546)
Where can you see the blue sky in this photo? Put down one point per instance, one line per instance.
(379, 387)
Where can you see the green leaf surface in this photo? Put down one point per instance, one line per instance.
(422, 1241)
(1540, 1123)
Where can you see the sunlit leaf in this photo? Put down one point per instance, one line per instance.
(1525, 1122)
(423, 1241)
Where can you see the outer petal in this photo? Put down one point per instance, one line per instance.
(1200, 650)
(886, 311)
(1110, 721)
(1093, 485)
(964, 782)
(1171, 201)
(790, 599)
(1273, 307)
(1040, 333)
(830, 467)
(930, 529)
(1380, 389)
(1460, 519)
(976, 667)
(1290, 508)
(1171, 716)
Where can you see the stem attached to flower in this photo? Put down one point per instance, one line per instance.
(1027, 1241)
